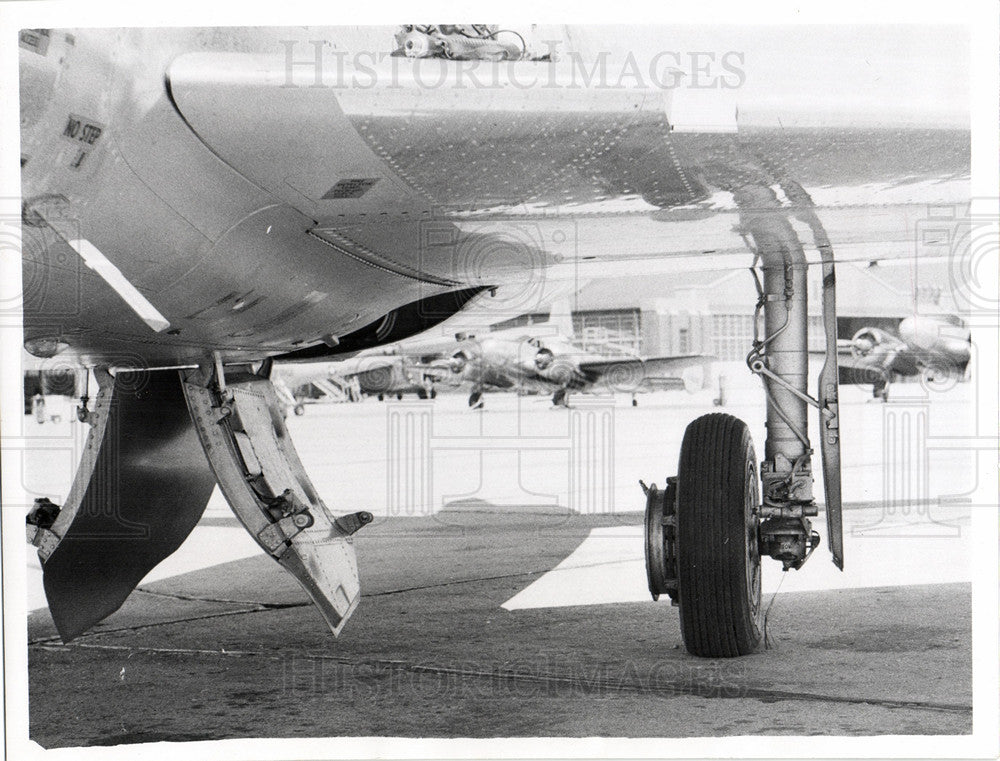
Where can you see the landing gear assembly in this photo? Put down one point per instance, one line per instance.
(706, 532)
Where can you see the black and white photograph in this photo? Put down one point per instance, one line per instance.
(595, 382)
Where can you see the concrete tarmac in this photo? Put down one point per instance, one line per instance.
(486, 614)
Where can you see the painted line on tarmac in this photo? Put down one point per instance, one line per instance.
(609, 567)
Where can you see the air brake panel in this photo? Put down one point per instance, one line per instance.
(243, 432)
(140, 489)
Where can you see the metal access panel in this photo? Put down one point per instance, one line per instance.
(259, 472)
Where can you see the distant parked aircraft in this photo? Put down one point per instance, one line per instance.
(383, 374)
(553, 364)
(938, 347)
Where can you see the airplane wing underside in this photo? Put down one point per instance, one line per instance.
(394, 191)
(503, 181)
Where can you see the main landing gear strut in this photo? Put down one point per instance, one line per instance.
(706, 532)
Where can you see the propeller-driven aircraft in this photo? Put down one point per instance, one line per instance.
(199, 204)
(554, 365)
(935, 347)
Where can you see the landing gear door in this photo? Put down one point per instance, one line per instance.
(243, 432)
(829, 421)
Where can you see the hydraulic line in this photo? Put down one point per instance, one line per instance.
(786, 320)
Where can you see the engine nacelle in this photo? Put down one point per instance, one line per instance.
(864, 342)
(543, 359)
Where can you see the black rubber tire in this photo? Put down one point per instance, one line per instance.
(718, 555)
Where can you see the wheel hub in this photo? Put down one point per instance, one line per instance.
(661, 539)
(751, 505)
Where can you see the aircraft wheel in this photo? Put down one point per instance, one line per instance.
(299, 409)
(559, 398)
(399, 397)
(718, 553)
(434, 393)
